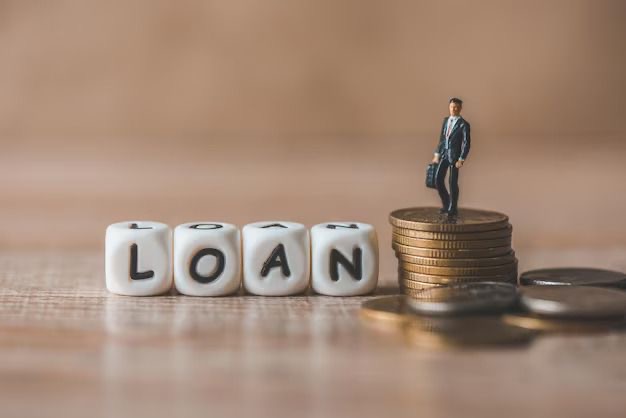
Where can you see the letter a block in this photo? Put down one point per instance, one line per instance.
(207, 259)
(138, 258)
(276, 258)
(344, 258)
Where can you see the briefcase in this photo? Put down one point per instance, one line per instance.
(431, 171)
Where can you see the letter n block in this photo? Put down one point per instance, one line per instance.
(344, 258)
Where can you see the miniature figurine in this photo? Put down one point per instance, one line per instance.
(451, 152)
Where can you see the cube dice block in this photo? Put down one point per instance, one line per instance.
(344, 258)
(138, 258)
(207, 259)
(273, 258)
(276, 258)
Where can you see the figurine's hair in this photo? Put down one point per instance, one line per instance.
(457, 101)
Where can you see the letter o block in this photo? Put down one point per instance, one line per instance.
(344, 258)
(138, 258)
(276, 258)
(207, 259)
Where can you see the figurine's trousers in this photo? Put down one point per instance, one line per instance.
(448, 200)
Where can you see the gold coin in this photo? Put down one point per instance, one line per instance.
(563, 325)
(465, 298)
(457, 262)
(449, 236)
(387, 309)
(416, 291)
(429, 219)
(460, 332)
(459, 271)
(434, 279)
(450, 245)
(456, 253)
(420, 290)
(414, 285)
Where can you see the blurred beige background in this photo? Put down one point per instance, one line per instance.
(308, 111)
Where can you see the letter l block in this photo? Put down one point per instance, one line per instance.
(138, 258)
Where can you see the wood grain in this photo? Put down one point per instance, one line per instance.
(70, 349)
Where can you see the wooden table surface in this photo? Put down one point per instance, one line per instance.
(70, 349)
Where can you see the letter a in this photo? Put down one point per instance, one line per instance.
(278, 258)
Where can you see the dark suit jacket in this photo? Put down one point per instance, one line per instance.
(458, 143)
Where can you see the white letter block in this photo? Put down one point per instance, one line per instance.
(276, 258)
(344, 258)
(138, 258)
(207, 259)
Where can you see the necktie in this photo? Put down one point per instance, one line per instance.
(450, 124)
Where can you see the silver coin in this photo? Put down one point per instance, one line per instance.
(573, 301)
(464, 298)
(573, 276)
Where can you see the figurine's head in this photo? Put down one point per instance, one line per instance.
(456, 105)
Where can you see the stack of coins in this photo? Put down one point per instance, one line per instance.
(434, 249)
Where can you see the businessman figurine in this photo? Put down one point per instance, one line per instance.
(454, 145)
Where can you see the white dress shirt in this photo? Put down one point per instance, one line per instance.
(451, 122)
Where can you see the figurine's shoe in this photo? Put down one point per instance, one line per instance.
(452, 213)
(443, 211)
